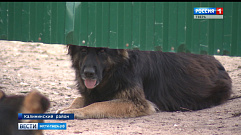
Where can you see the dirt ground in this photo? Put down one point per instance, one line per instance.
(47, 68)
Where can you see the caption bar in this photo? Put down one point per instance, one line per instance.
(31, 116)
(208, 16)
(41, 126)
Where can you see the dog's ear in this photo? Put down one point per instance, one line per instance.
(123, 52)
(73, 52)
(68, 48)
(72, 49)
(2, 95)
(35, 102)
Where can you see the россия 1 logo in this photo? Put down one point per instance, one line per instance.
(208, 13)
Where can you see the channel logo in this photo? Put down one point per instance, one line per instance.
(41, 126)
(208, 13)
(27, 126)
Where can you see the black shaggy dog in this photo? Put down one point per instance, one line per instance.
(10, 106)
(129, 83)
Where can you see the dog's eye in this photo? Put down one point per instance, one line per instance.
(83, 50)
(102, 51)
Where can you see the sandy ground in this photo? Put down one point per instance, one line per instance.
(47, 68)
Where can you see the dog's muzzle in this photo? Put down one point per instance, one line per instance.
(90, 78)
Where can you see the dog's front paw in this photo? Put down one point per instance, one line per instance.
(60, 110)
(77, 113)
(67, 111)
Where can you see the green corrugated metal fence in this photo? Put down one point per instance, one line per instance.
(166, 26)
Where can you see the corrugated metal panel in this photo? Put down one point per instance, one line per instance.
(166, 26)
(33, 21)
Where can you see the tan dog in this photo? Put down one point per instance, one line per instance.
(10, 106)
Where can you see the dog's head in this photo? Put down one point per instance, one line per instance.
(92, 64)
(33, 102)
(10, 106)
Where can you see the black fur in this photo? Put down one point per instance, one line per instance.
(172, 81)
